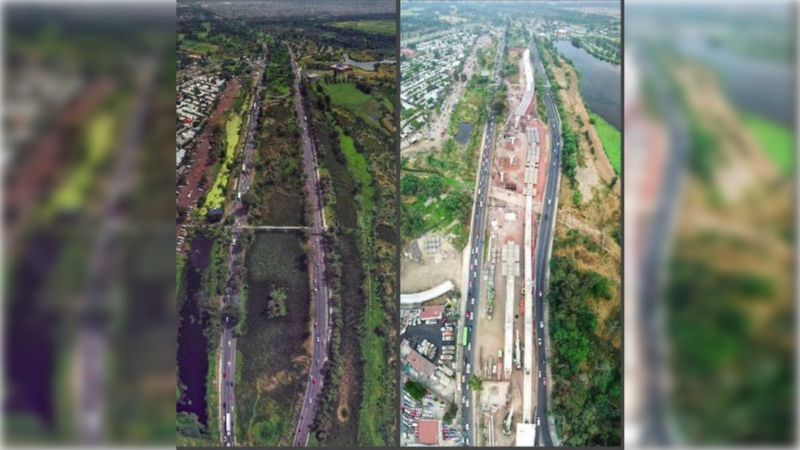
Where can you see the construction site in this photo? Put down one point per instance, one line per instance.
(506, 413)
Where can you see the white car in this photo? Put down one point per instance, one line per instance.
(467, 405)
(540, 374)
(469, 346)
(540, 341)
(538, 422)
(473, 301)
(541, 324)
(229, 343)
(548, 201)
(317, 340)
(463, 399)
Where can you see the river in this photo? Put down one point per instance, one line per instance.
(757, 86)
(601, 83)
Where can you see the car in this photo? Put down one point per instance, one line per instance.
(473, 300)
(540, 341)
(538, 422)
(317, 339)
(466, 426)
(544, 381)
(467, 405)
(540, 293)
(469, 346)
(463, 399)
(470, 284)
(469, 315)
(224, 374)
(310, 401)
(229, 363)
(541, 324)
(314, 382)
(229, 343)
(549, 200)
(540, 374)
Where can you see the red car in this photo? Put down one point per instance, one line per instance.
(224, 374)
(469, 314)
(544, 381)
(313, 381)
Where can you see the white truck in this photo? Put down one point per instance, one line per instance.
(228, 424)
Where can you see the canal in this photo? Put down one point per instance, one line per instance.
(601, 82)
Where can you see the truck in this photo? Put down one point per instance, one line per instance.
(228, 424)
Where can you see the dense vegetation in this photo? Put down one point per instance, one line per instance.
(587, 390)
(348, 115)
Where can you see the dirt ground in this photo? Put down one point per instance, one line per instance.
(573, 104)
(199, 154)
(435, 269)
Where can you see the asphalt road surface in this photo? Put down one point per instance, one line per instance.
(316, 253)
(478, 229)
(542, 254)
(228, 362)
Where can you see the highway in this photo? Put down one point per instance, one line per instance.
(477, 229)
(316, 253)
(542, 253)
(227, 370)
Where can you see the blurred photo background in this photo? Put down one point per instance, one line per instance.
(89, 320)
(710, 91)
(88, 228)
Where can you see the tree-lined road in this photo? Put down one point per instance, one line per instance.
(478, 229)
(542, 251)
(316, 256)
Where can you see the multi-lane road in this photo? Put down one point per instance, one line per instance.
(542, 252)
(316, 254)
(227, 370)
(477, 229)
(541, 261)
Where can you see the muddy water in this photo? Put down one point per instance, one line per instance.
(192, 345)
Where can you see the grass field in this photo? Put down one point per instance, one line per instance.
(775, 140)
(199, 47)
(611, 139)
(369, 26)
(363, 105)
(346, 94)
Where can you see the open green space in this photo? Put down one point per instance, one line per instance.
(369, 26)
(611, 139)
(198, 47)
(369, 107)
(777, 141)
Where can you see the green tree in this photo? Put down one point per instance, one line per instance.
(415, 389)
(475, 383)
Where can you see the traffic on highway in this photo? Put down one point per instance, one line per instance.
(542, 256)
(316, 253)
(478, 229)
(228, 362)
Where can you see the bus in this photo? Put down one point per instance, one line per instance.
(466, 336)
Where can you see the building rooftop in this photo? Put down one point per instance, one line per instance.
(431, 312)
(420, 363)
(429, 432)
